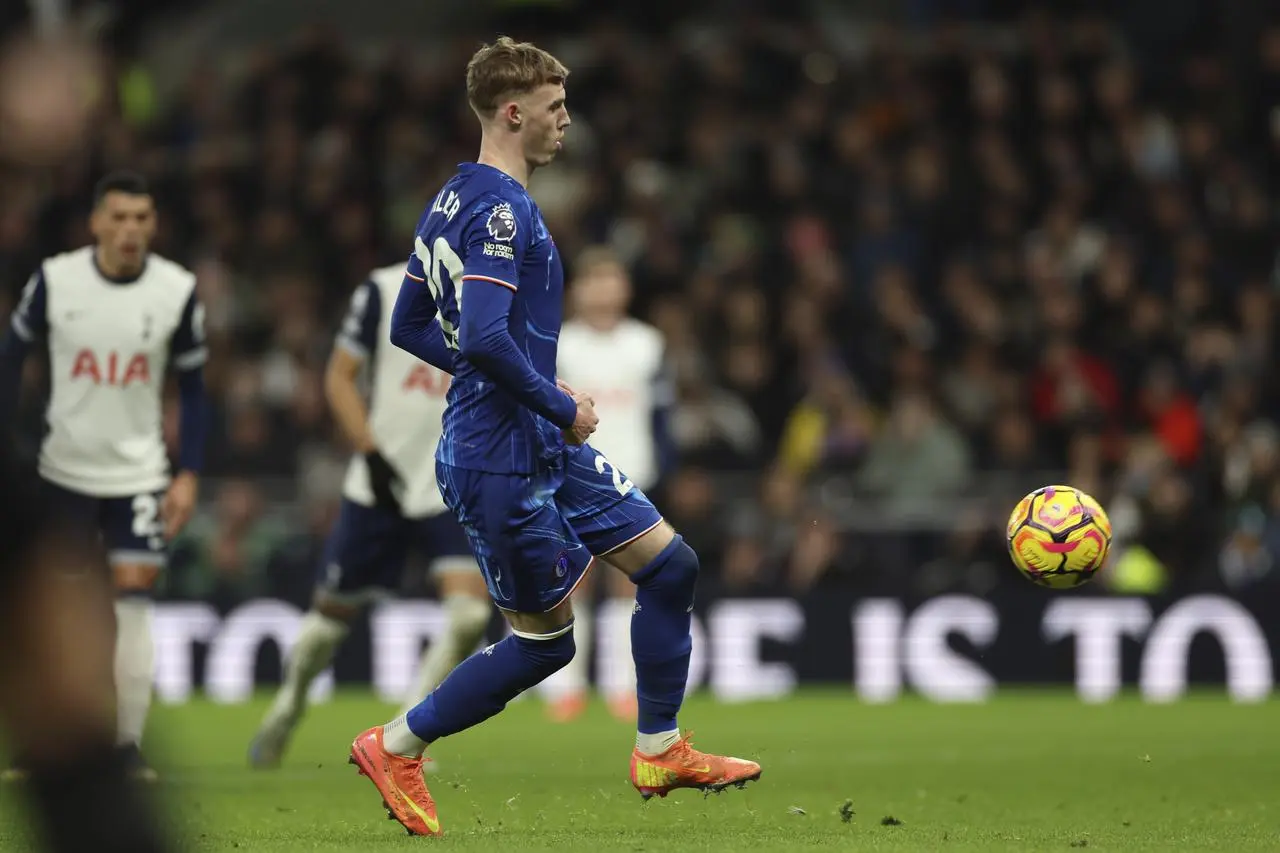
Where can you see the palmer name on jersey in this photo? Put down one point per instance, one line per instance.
(110, 343)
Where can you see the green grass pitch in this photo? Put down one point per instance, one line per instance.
(1025, 772)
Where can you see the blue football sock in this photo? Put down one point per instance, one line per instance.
(484, 683)
(660, 640)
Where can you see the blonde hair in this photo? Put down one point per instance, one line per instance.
(507, 67)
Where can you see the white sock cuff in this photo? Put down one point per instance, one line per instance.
(399, 739)
(542, 638)
(656, 744)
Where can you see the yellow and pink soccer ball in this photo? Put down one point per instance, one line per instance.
(1059, 536)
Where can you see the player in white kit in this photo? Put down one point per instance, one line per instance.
(114, 316)
(390, 504)
(618, 360)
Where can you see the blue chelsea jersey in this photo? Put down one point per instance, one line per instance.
(483, 230)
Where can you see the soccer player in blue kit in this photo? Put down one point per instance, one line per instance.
(482, 299)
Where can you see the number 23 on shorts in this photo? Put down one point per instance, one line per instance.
(624, 487)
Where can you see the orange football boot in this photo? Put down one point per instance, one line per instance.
(682, 766)
(399, 781)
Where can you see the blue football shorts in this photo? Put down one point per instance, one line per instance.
(129, 527)
(535, 535)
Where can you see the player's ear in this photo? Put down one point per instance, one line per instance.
(512, 115)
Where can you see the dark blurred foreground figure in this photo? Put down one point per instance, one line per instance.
(57, 705)
(57, 631)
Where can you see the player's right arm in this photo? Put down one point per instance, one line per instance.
(357, 341)
(490, 281)
(414, 324)
(28, 325)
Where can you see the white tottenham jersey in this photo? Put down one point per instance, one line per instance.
(110, 343)
(407, 399)
(619, 368)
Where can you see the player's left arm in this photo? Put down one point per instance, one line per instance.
(415, 327)
(492, 253)
(188, 354)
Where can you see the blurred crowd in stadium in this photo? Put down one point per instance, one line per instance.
(898, 290)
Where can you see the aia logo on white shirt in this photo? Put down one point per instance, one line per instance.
(111, 368)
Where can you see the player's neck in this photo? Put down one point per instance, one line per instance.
(508, 162)
(602, 322)
(115, 270)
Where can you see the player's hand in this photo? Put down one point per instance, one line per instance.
(566, 388)
(585, 423)
(382, 476)
(179, 503)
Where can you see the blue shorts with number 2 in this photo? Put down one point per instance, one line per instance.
(129, 528)
(534, 535)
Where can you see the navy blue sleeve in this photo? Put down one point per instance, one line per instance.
(415, 328)
(28, 324)
(193, 412)
(491, 253)
(13, 353)
(188, 353)
(493, 242)
(664, 398)
(30, 319)
(487, 344)
(359, 333)
(187, 350)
